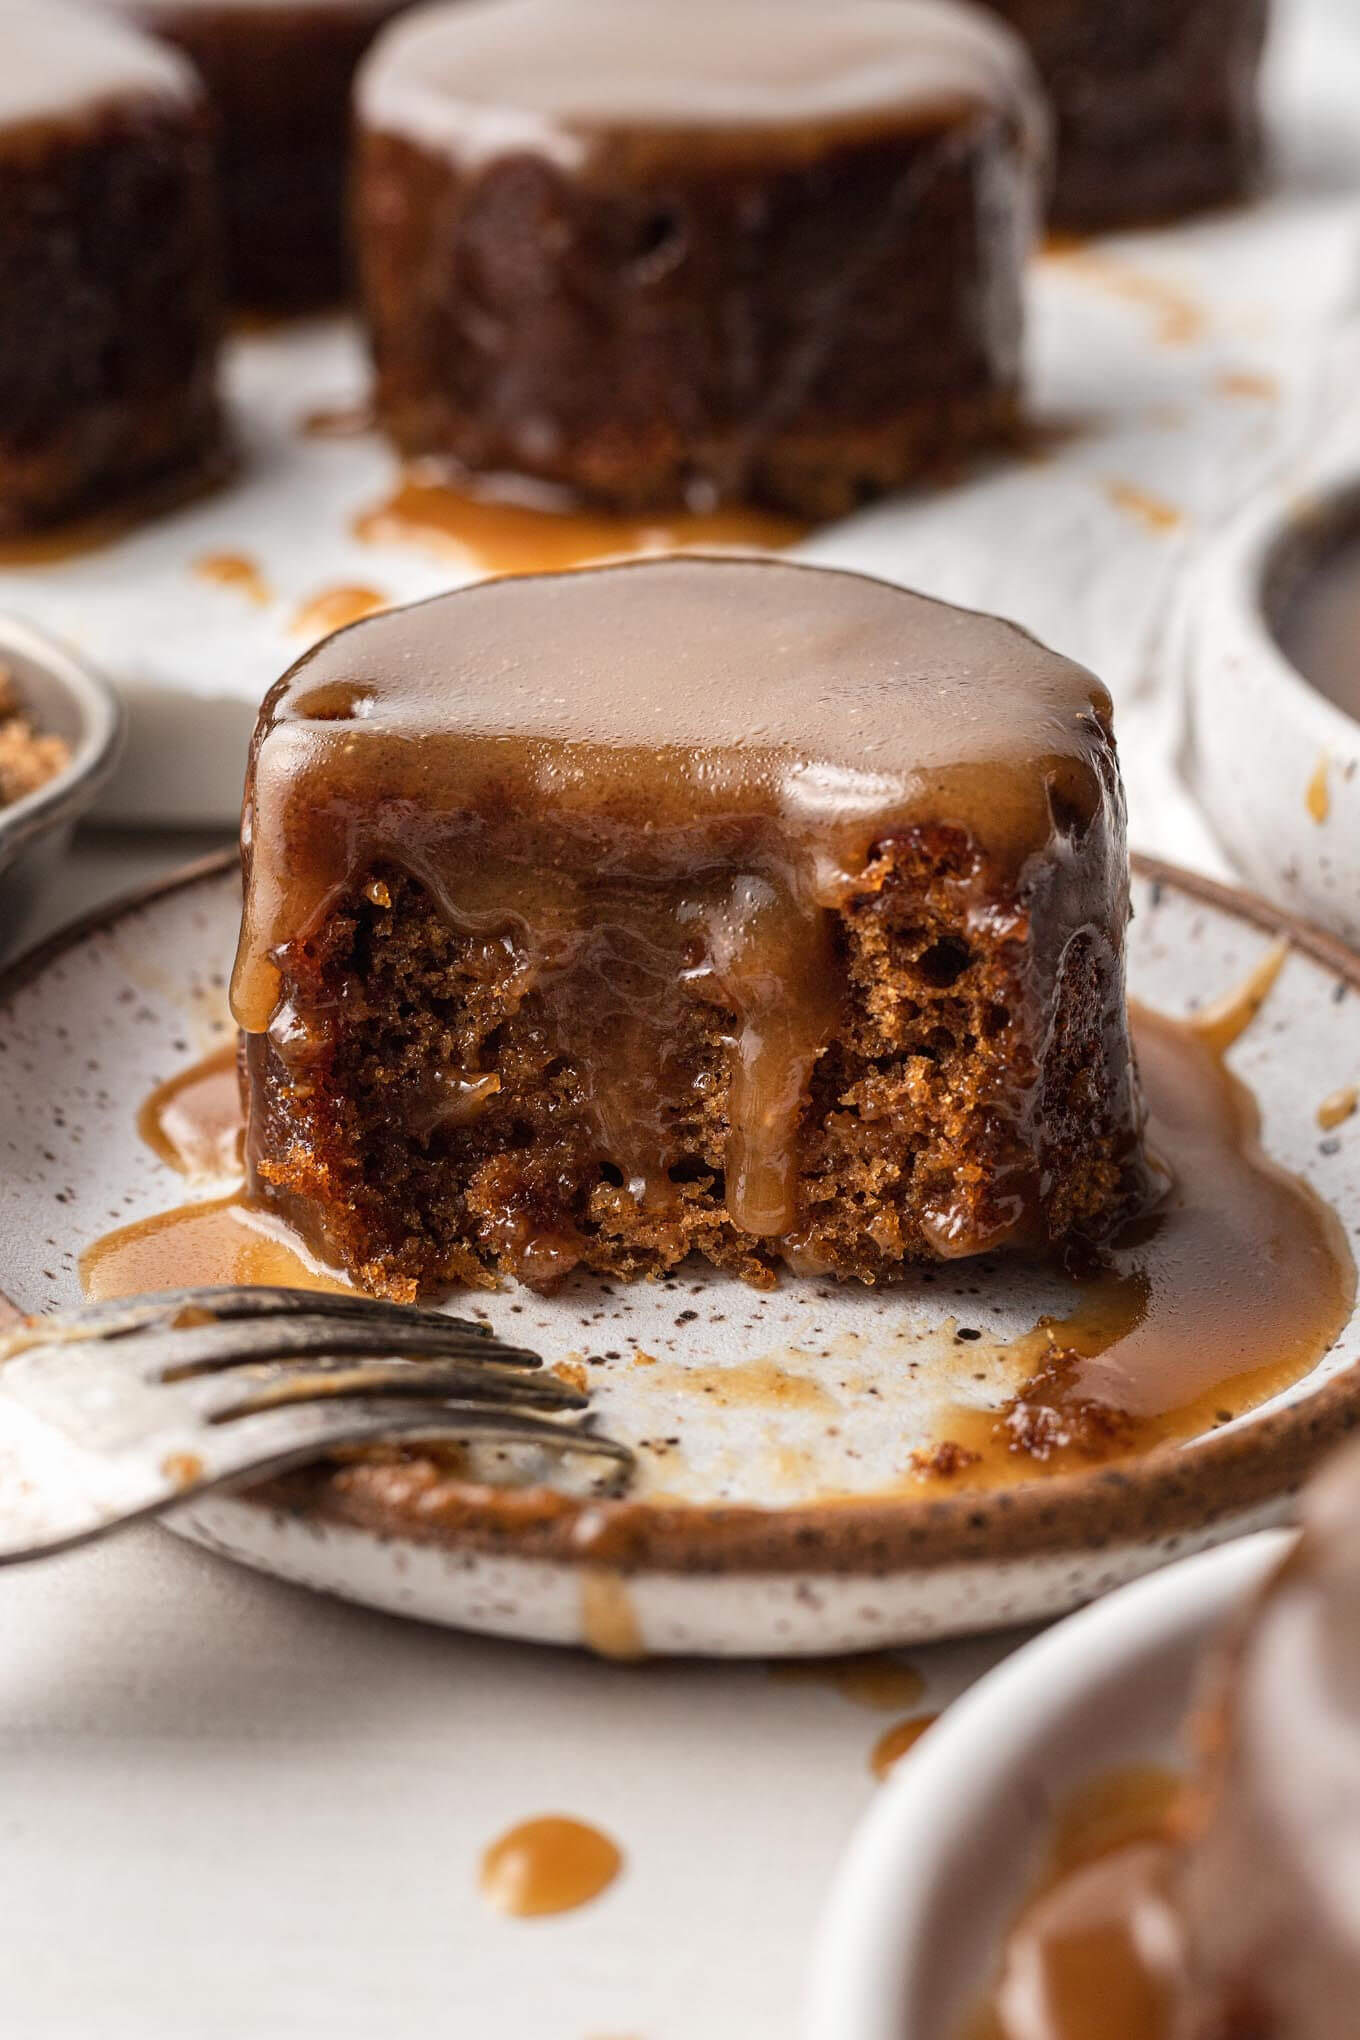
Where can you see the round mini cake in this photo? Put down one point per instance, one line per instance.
(279, 73)
(685, 255)
(108, 249)
(693, 905)
(1155, 103)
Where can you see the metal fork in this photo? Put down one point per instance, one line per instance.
(121, 1409)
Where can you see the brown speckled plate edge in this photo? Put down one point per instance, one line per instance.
(1173, 1490)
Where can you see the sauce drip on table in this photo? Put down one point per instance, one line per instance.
(549, 1865)
(500, 537)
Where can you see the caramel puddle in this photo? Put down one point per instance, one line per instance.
(548, 1865)
(1092, 1953)
(193, 1122)
(225, 1240)
(1234, 1289)
(521, 538)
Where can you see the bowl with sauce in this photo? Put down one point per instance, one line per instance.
(1071, 1751)
(61, 727)
(1272, 746)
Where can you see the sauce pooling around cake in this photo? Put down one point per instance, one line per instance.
(654, 787)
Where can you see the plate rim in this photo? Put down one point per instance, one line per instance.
(1173, 1489)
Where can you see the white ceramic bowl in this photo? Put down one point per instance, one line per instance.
(950, 1845)
(64, 698)
(1260, 738)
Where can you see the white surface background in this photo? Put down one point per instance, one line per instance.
(227, 1808)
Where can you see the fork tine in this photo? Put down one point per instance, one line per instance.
(275, 1439)
(203, 1348)
(237, 1392)
(257, 1301)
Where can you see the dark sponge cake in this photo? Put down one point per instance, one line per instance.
(108, 265)
(735, 251)
(279, 74)
(1155, 103)
(698, 905)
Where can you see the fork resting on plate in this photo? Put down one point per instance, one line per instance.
(123, 1408)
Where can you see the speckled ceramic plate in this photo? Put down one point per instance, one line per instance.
(773, 1510)
(959, 1833)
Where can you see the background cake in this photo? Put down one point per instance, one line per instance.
(109, 254)
(665, 255)
(279, 74)
(727, 906)
(1156, 103)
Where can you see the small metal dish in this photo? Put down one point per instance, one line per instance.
(64, 698)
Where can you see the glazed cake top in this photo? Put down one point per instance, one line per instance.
(659, 702)
(67, 61)
(564, 78)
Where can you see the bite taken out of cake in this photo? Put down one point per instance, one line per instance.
(743, 250)
(697, 905)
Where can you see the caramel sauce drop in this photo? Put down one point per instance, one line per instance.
(225, 1240)
(1093, 1953)
(548, 1865)
(1337, 1107)
(1153, 511)
(193, 1122)
(521, 538)
(871, 1679)
(609, 1624)
(1224, 1021)
(332, 608)
(1318, 798)
(1180, 320)
(895, 1742)
(235, 570)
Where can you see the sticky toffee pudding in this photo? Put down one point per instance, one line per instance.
(687, 256)
(278, 73)
(108, 245)
(708, 906)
